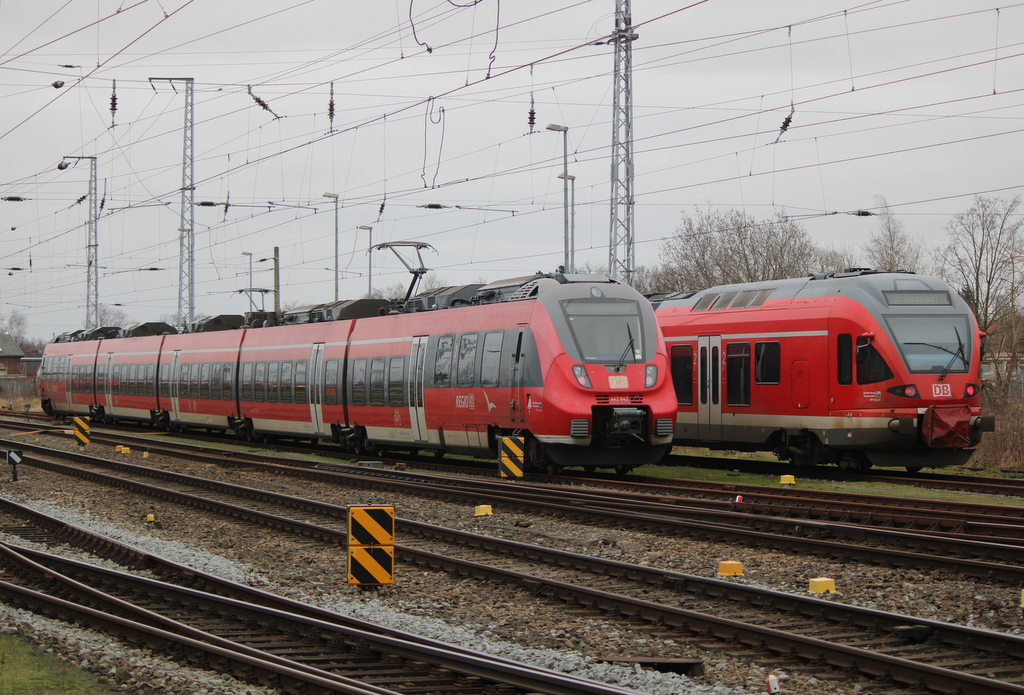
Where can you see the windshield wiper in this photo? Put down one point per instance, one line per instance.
(621, 364)
(959, 353)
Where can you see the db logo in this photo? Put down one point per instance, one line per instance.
(941, 391)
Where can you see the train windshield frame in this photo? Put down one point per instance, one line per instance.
(933, 343)
(606, 330)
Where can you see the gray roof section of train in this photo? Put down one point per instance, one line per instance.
(865, 286)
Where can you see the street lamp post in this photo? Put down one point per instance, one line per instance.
(369, 253)
(564, 130)
(572, 225)
(334, 196)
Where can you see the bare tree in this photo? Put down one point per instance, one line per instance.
(890, 247)
(717, 247)
(836, 259)
(108, 315)
(981, 260)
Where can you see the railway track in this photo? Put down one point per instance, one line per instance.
(302, 651)
(906, 650)
(975, 556)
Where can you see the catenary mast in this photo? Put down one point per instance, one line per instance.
(620, 247)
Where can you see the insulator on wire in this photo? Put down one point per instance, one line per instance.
(531, 119)
(330, 108)
(113, 101)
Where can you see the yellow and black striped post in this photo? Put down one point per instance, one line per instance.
(510, 462)
(81, 430)
(371, 545)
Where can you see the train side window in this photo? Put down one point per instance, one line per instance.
(723, 301)
(273, 382)
(216, 379)
(682, 373)
(228, 382)
(844, 354)
(767, 363)
(443, 360)
(286, 382)
(194, 389)
(760, 298)
(467, 360)
(259, 385)
(331, 382)
(490, 363)
(703, 376)
(247, 370)
(871, 366)
(150, 379)
(164, 369)
(377, 381)
(704, 302)
(204, 380)
(301, 392)
(359, 382)
(133, 378)
(714, 375)
(737, 374)
(396, 382)
(101, 378)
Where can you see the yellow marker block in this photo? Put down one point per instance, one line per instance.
(119, 448)
(1022, 598)
(730, 568)
(145, 454)
(482, 510)
(151, 518)
(787, 480)
(126, 450)
(821, 585)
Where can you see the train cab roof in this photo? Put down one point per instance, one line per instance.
(881, 288)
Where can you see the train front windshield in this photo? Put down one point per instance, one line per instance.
(606, 330)
(935, 344)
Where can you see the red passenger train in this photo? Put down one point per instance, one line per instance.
(575, 364)
(858, 369)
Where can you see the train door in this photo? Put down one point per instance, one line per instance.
(105, 397)
(316, 388)
(515, 378)
(417, 416)
(709, 385)
(174, 382)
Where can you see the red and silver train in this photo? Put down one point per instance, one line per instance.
(858, 369)
(575, 364)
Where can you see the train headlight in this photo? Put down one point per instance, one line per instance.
(580, 372)
(906, 391)
(971, 391)
(651, 376)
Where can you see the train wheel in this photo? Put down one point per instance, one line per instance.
(914, 469)
(551, 468)
(623, 469)
(589, 469)
(439, 453)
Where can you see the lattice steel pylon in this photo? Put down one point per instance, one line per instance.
(92, 272)
(620, 244)
(187, 259)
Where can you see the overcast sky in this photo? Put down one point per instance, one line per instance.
(919, 101)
